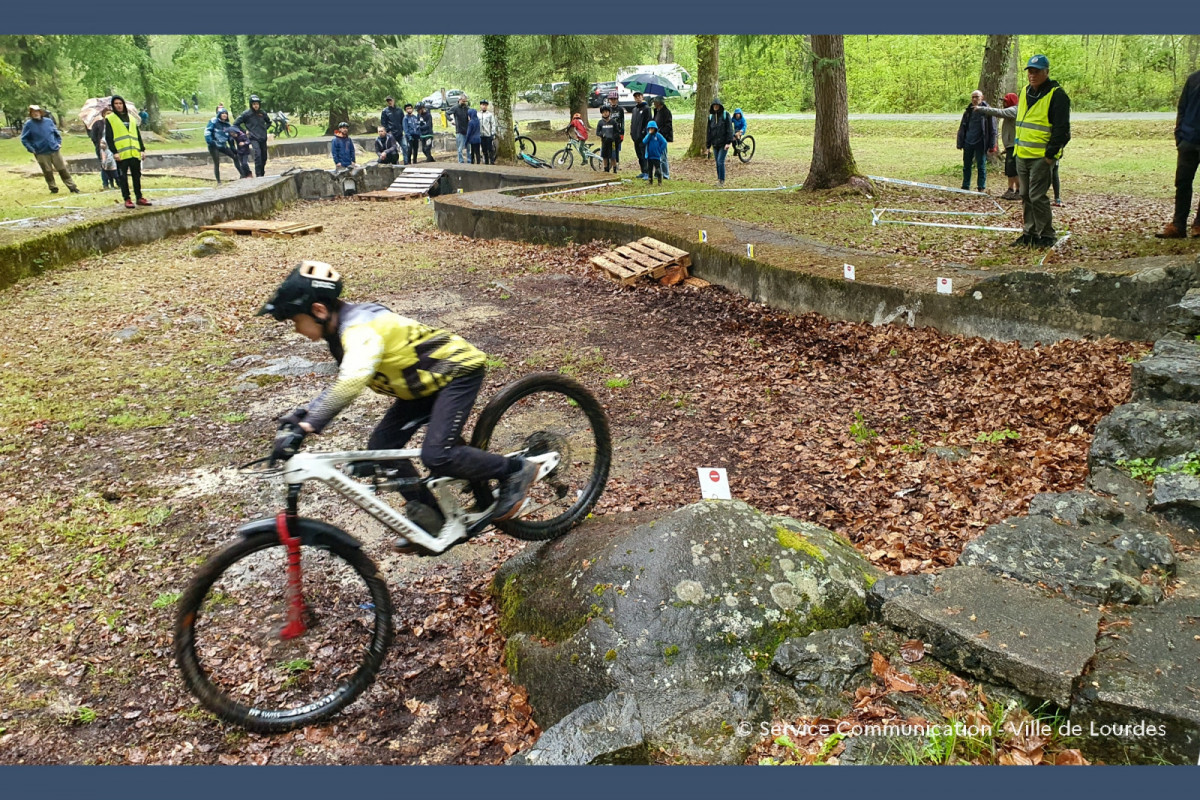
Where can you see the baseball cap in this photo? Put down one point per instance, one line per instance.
(1038, 62)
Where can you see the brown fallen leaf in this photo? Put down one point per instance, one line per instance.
(912, 651)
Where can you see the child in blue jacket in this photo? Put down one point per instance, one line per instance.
(342, 147)
(739, 124)
(656, 151)
(474, 138)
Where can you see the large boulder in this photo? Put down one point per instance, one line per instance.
(681, 616)
(1170, 372)
(211, 243)
(1163, 430)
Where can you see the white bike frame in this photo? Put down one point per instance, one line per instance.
(323, 467)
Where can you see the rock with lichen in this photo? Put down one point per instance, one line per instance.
(682, 614)
(211, 243)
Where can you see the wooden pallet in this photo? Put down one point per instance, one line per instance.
(645, 258)
(385, 195)
(260, 227)
(416, 181)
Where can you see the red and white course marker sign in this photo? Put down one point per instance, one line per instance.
(945, 286)
(848, 271)
(714, 483)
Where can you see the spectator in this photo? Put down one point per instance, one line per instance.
(666, 129)
(637, 129)
(41, 137)
(124, 140)
(239, 144)
(144, 116)
(607, 131)
(1056, 184)
(342, 147)
(487, 132)
(216, 136)
(255, 122)
(412, 134)
(473, 137)
(1008, 128)
(196, 102)
(96, 134)
(1187, 148)
(426, 118)
(183, 103)
(108, 168)
(1043, 130)
(461, 119)
(392, 119)
(719, 136)
(655, 148)
(976, 138)
(387, 150)
(618, 117)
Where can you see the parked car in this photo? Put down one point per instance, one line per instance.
(435, 100)
(599, 92)
(559, 92)
(538, 93)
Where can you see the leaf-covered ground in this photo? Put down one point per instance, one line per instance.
(115, 456)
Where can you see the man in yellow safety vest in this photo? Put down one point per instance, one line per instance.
(124, 140)
(1043, 130)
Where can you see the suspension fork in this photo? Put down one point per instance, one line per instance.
(285, 526)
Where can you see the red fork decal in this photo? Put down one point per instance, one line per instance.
(295, 622)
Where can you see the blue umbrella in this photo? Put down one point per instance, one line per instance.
(646, 83)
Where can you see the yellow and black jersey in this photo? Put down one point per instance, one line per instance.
(391, 354)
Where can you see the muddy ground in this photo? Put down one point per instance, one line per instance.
(126, 404)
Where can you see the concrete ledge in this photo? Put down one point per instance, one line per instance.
(994, 309)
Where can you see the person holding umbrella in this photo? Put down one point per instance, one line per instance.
(637, 129)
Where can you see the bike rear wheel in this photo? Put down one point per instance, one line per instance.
(746, 151)
(595, 162)
(541, 413)
(526, 145)
(563, 159)
(228, 640)
(290, 131)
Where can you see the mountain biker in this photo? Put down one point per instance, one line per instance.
(577, 130)
(739, 124)
(431, 372)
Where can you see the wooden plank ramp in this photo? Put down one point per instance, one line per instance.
(262, 227)
(645, 258)
(416, 181)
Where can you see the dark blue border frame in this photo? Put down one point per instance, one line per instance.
(611, 16)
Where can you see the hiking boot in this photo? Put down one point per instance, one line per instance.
(1173, 231)
(74, 190)
(1025, 240)
(53, 190)
(513, 491)
(144, 202)
(128, 203)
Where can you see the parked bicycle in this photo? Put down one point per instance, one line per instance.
(523, 143)
(743, 148)
(281, 127)
(291, 622)
(565, 158)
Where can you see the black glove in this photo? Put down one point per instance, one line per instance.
(288, 440)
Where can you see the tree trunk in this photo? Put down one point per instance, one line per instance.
(832, 162)
(995, 65)
(1012, 76)
(495, 70)
(337, 114)
(708, 62)
(1193, 52)
(666, 49)
(231, 52)
(142, 42)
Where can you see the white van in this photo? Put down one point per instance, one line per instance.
(676, 74)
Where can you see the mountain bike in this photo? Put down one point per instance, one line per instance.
(565, 158)
(281, 127)
(523, 143)
(744, 148)
(291, 622)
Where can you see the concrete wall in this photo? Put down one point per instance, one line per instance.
(1006, 309)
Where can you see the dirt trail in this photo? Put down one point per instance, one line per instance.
(127, 401)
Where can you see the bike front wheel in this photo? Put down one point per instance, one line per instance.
(290, 131)
(230, 643)
(526, 145)
(549, 412)
(746, 151)
(563, 159)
